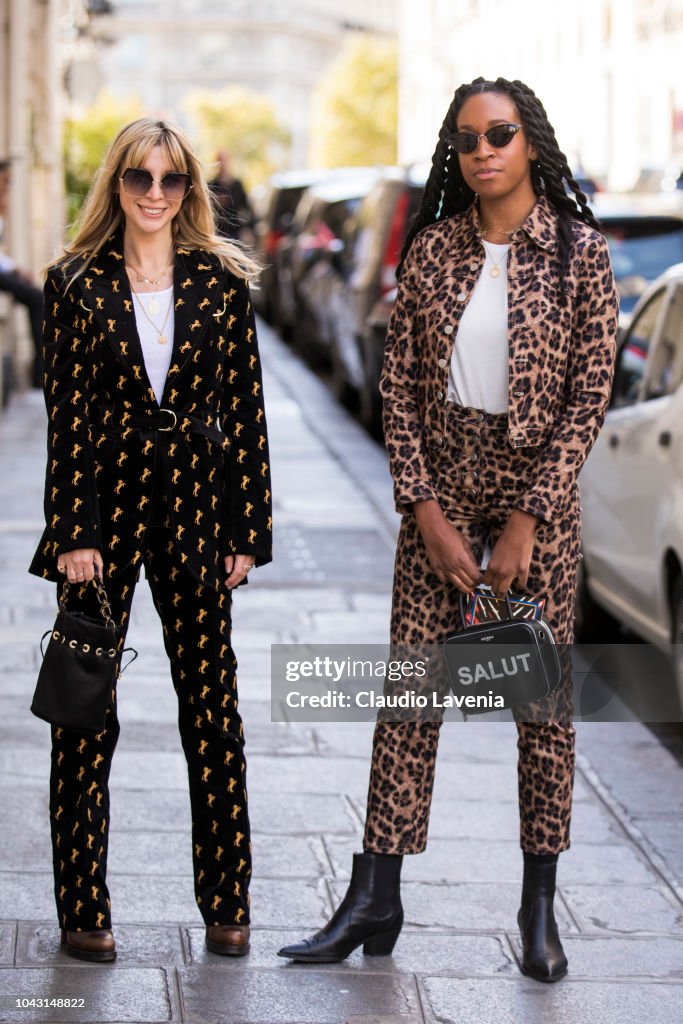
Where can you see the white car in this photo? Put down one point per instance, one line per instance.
(632, 484)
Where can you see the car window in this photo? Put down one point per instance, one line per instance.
(634, 351)
(666, 370)
(641, 249)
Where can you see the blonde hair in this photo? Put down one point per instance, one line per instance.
(194, 226)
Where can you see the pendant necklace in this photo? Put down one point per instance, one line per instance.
(495, 269)
(162, 339)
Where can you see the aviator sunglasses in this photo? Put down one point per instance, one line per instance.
(499, 136)
(137, 182)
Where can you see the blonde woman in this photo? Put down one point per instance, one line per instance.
(157, 457)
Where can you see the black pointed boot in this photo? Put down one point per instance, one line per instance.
(370, 913)
(542, 954)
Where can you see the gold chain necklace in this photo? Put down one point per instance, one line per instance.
(148, 280)
(162, 339)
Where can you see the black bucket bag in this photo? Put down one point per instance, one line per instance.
(77, 678)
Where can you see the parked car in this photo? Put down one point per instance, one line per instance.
(308, 261)
(645, 237)
(632, 484)
(359, 299)
(660, 179)
(274, 206)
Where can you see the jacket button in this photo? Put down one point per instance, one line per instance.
(442, 364)
(462, 296)
(448, 329)
(474, 265)
(439, 395)
(439, 440)
(519, 394)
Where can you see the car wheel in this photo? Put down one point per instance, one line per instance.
(678, 639)
(592, 624)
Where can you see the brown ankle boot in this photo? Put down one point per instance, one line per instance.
(98, 946)
(228, 939)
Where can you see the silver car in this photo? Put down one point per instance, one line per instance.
(632, 484)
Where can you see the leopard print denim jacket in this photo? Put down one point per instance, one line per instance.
(561, 351)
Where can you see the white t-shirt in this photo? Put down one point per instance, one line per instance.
(157, 357)
(478, 375)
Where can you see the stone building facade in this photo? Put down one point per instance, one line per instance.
(608, 72)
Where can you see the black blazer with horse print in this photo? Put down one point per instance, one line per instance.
(108, 437)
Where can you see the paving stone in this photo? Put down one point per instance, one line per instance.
(625, 908)
(7, 938)
(40, 944)
(274, 813)
(470, 860)
(414, 953)
(509, 1002)
(170, 853)
(306, 775)
(161, 810)
(27, 896)
(629, 958)
(468, 906)
(110, 993)
(280, 997)
(25, 832)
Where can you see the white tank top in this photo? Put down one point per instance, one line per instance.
(157, 357)
(478, 375)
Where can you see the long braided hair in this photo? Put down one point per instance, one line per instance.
(446, 192)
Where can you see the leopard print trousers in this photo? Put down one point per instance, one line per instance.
(479, 478)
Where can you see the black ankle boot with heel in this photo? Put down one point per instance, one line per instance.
(370, 914)
(542, 954)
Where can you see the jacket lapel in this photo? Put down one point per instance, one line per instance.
(106, 290)
(197, 280)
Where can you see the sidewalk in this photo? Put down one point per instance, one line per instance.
(620, 903)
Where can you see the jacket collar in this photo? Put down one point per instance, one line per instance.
(540, 226)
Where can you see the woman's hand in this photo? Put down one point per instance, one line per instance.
(449, 554)
(511, 556)
(81, 564)
(237, 567)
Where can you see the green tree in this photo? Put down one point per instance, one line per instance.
(355, 106)
(244, 124)
(86, 138)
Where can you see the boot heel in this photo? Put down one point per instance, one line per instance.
(381, 944)
(63, 936)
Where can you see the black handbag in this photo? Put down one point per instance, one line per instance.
(78, 675)
(501, 663)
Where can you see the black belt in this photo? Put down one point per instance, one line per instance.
(164, 420)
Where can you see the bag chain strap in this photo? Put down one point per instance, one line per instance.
(105, 607)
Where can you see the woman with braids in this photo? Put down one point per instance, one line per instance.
(496, 379)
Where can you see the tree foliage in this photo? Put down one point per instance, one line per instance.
(243, 123)
(355, 106)
(86, 138)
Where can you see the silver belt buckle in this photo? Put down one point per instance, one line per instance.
(174, 424)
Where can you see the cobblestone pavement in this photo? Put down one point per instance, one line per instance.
(620, 901)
